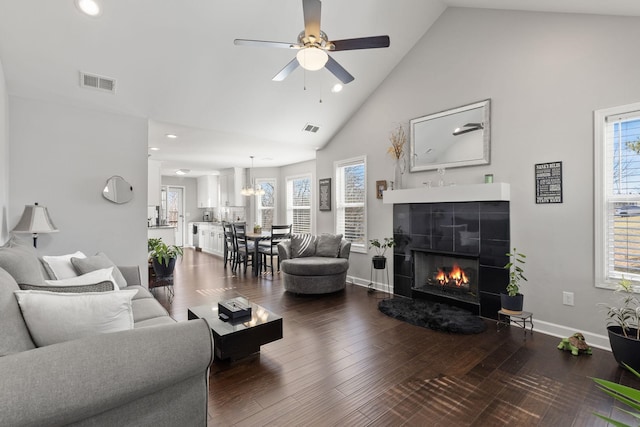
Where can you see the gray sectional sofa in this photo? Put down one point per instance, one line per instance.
(318, 266)
(155, 374)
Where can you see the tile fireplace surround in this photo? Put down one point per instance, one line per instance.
(468, 221)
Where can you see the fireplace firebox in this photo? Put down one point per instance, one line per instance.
(446, 275)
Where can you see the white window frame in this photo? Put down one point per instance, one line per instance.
(604, 277)
(258, 200)
(339, 189)
(289, 182)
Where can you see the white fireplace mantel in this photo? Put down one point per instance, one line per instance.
(454, 193)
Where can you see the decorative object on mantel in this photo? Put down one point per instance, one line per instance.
(398, 140)
(548, 182)
(441, 172)
(512, 301)
(324, 194)
(380, 187)
(35, 219)
(488, 178)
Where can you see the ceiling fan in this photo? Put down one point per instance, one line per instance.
(313, 45)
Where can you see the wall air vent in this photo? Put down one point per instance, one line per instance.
(94, 81)
(310, 128)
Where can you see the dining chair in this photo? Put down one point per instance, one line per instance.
(244, 247)
(269, 248)
(230, 250)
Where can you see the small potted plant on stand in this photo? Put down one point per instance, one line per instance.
(164, 257)
(623, 326)
(379, 260)
(513, 300)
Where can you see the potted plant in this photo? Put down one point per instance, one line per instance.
(379, 260)
(626, 395)
(623, 326)
(513, 300)
(164, 257)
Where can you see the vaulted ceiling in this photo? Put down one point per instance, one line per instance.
(175, 63)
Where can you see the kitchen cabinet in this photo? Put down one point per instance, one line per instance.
(230, 183)
(207, 191)
(212, 238)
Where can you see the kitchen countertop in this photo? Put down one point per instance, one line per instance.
(161, 226)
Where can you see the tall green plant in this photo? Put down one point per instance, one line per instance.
(627, 395)
(381, 246)
(516, 271)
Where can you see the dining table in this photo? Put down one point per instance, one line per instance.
(257, 238)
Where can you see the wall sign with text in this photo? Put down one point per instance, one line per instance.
(549, 182)
(324, 195)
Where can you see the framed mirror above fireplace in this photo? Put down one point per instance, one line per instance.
(453, 138)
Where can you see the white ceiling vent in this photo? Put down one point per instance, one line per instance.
(310, 128)
(101, 83)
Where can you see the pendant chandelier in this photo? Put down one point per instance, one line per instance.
(252, 189)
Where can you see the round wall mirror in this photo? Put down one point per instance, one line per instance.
(117, 190)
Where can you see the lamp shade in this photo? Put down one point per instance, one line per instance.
(312, 58)
(35, 219)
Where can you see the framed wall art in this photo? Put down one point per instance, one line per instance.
(324, 194)
(380, 187)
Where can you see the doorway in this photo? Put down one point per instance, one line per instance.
(175, 211)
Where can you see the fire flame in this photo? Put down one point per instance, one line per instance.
(456, 277)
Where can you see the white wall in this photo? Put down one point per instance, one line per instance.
(4, 158)
(545, 74)
(61, 157)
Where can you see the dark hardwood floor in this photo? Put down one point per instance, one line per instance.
(342, 362)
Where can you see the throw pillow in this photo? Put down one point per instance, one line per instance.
(14, 335)
(57, 317)
(60, 265)
(96, 262)
(105, 286)
(303, 245)
(328, 245)
(102, 275)
(19, 259)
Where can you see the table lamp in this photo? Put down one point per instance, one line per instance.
(35, 219)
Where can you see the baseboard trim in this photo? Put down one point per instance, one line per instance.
(547, 328)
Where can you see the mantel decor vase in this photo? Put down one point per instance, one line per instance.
(624, 349)
(398, 171)
(512, 304)
(163, 270)
(379, 262)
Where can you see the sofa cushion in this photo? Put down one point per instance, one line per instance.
(147, 308)
(57, 317)
(19, 259)
(96, 262)
(97, 276)
(59, 266)
(328, 245)
(303, 245)
(105, 286)
(14, 335)
(314, 266)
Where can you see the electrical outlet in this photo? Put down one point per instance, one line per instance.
(567, 298)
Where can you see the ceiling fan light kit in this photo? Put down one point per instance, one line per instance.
(313, 45)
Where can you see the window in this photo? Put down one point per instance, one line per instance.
(299, 203)
(351, 202)
(266, 204)
(617, 194)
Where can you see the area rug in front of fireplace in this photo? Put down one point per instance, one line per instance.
(433, 315)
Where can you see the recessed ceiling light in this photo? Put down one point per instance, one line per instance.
(336, 88)
(154, 149)
(183, 171)
(88, 7)
(171, 136)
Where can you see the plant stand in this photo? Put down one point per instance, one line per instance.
(374, 273)
(520, 319)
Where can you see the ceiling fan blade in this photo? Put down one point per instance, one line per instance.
(361, 43)
(311, 10)
(337, 70)
(288, 69)
(263, 43)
